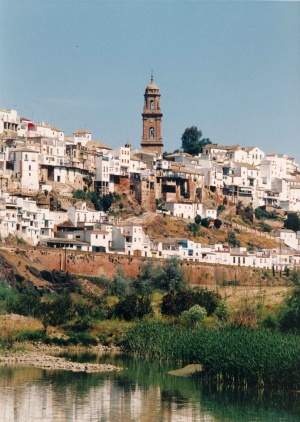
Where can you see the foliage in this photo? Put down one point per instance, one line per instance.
(107, 201)
(31, 335)
(236, 356)
(249, 209)
(222, 311)
(193, 228)
(194, 315)
(120, 284)
(247, 314)
(265, 227)
(261, 213)
(239, 205)
(198, 219)
(173, 304)
(205, 222)
(292, 222)
(133, 307)
(220, 209)
(26, 303)
(169, 276)
(57, 311)
(7, 294)
(143, 284)
(192, 141)
(91, 196)
(232, 240)
(160, 203)
(217, 223)
(290, 320)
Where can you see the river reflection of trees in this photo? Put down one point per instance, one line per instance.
(143, 391)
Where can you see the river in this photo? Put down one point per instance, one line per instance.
(142, 392)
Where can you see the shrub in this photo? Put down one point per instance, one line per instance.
(222, 311)
(133, 307)
(169, 276)
(232, 240)
(31, 335)
(26, 303)
(194, 315)
(198, 219)
(290, 320)
(173, 304)
(7, 338)
(220, 209)
(205, 222)
(265, 227)
(194, 228)
(120, 284)
(217, 223)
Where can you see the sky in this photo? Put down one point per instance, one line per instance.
(230, 68)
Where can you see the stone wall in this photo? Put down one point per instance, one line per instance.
(97, 264)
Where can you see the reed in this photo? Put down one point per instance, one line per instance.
(232, 355)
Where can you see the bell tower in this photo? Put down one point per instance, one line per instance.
(152, 139)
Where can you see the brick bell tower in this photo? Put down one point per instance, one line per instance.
(152, 139)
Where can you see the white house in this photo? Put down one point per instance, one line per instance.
(25, 167)
(79, 214)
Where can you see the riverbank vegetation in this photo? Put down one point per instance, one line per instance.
(158, 315)
(231, 355)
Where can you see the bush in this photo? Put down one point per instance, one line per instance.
(194, 228)
(120, 284)
(205, 222)
(169, 276)
(265, 227)
(173, 304)
(232, 240)
(26, 303)
(290, 320)
(133, 307)
(194, 315)
(222, 311)
(198, 219)
(217, 223)
(220, 209)
(57, 312)
(31, 335)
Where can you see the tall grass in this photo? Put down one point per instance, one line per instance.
(231, 355)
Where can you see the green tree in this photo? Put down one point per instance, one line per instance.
(107, 201)
(232, 240)
(291, 317)
(205, 222)
(192, 141)
(170, 276)
(292, 222)
(120, 284)
(217, 223)
(133, 307)
(143, 284)
(194, 228)
(198, 219)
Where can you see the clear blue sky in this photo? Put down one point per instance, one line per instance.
(230, 68)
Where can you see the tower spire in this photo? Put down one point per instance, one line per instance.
(152, 115)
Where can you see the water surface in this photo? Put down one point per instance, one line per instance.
(143, 392)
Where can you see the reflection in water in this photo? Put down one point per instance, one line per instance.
(143, 391)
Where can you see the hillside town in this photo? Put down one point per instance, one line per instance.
(38, 160)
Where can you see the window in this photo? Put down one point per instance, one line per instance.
(151, 105)
(151, 132)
